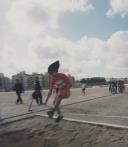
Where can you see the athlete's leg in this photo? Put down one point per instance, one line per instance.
(56, 108)
(57, 104)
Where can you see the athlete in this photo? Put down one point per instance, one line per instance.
(63, 84)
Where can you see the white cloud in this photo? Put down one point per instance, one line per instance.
(29, 44)
(23, 22)
(87, 56)
(118, 7)
(33, 16)
(118, 46)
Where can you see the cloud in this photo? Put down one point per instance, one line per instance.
(33, 16)
(22, 23)
(87, 56)
(82, 58)
(30, 41)
(118, 7)
(118, 46)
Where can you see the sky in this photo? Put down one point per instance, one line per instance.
(88, 37)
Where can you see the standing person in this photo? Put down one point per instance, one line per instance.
(121, 86)
(61, 81)
(83, 88)
(37, 94)
(113, 87)
(18, 87)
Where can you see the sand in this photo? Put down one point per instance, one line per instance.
(44, 132)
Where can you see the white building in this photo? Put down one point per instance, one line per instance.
(27, 80)
(31, 80)
(5, 83)
(1, 82)
(23, 77)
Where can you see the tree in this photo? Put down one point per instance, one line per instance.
(94, 81)
(83, 81)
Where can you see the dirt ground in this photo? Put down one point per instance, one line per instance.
(44, 132)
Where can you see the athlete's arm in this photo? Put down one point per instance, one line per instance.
(48, 96)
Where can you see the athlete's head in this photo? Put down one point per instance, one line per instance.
(53, 68)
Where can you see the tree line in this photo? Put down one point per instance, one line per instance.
(94, 81)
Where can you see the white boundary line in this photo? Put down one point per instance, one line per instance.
(2, 122)
(90, 122)
(107, 116)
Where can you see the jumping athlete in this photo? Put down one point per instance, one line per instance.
(63, 84)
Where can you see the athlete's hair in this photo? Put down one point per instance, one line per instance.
(54, 67)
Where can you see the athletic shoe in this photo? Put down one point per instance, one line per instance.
(50, 113)
(59, 118)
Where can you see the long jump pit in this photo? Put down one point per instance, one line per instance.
(40, 131)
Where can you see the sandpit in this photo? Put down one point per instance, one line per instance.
(44, 132)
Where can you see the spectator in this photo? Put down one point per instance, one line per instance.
(37, 94)
(83, 88)
(18, 87)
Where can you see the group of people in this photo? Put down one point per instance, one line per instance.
(116, 87)
(58, 81)
(37, 94)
